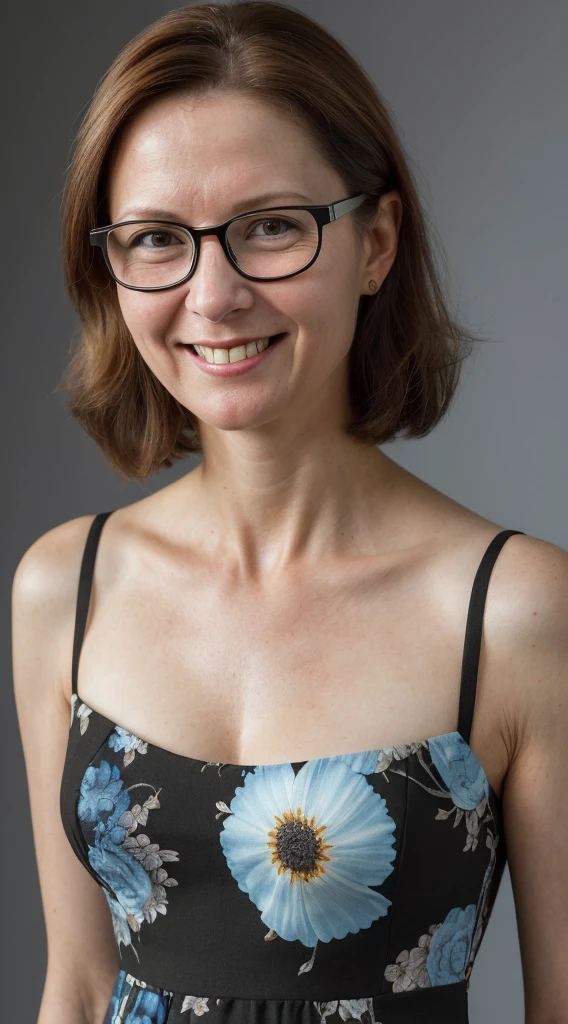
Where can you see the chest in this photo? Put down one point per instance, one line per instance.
(341, 661)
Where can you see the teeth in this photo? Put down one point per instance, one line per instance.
(232, 355)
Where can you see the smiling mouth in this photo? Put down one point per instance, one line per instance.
(240, 353)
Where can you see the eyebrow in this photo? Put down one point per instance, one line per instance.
(244, 205)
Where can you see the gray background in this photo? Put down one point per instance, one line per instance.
(476, 92)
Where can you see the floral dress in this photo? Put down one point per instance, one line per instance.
(353, 887)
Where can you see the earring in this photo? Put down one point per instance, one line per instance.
(373, 286)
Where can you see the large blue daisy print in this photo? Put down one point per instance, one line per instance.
(306, 848)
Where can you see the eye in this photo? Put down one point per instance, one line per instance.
(273, 221)
(164, 236)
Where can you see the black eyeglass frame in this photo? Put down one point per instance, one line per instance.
(323, 214)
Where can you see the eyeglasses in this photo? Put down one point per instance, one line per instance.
(151, 255)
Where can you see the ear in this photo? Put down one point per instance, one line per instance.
(380, 244)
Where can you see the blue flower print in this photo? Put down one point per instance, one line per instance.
(364, 762)
(441, 956)
(130, 883)
(460, 770)
(101, 793)
(120, 924)
(307, 847)
(116, 997)
(131, 865)
(121, 739)
(149, 1008)
(450, 945)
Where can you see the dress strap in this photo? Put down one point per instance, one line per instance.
(472, 643)
(84, 590)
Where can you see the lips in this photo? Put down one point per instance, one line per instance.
(233, 344)
(241, 366)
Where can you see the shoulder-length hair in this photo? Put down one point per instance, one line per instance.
(407, 349)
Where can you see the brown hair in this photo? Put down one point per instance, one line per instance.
(407, 349)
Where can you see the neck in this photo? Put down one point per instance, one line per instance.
(266, 510)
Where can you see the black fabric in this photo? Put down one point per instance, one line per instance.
(472, 643)
(352, 887)
(84, 591)
(446, 1004)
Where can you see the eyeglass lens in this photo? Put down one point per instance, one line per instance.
(152, 255)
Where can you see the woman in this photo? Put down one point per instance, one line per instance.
(269, 765)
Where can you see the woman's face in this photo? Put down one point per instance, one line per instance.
(208, 160)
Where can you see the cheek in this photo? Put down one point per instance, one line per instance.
(329, 316)
(337, 287)
(146, 321)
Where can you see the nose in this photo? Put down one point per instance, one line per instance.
(215, 287)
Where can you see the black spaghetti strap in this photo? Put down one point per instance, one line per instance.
(473, 631)
(84, 590)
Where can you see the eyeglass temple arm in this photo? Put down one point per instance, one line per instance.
(346, 205)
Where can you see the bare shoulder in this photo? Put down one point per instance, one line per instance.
(529, 636)
(44, 592)
(48, 570)
(529, 569)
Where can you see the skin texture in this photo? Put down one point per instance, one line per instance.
(295, 595)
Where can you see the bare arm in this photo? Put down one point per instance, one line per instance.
(82, 955)
(534, 664)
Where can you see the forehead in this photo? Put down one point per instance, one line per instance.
(202, 156)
